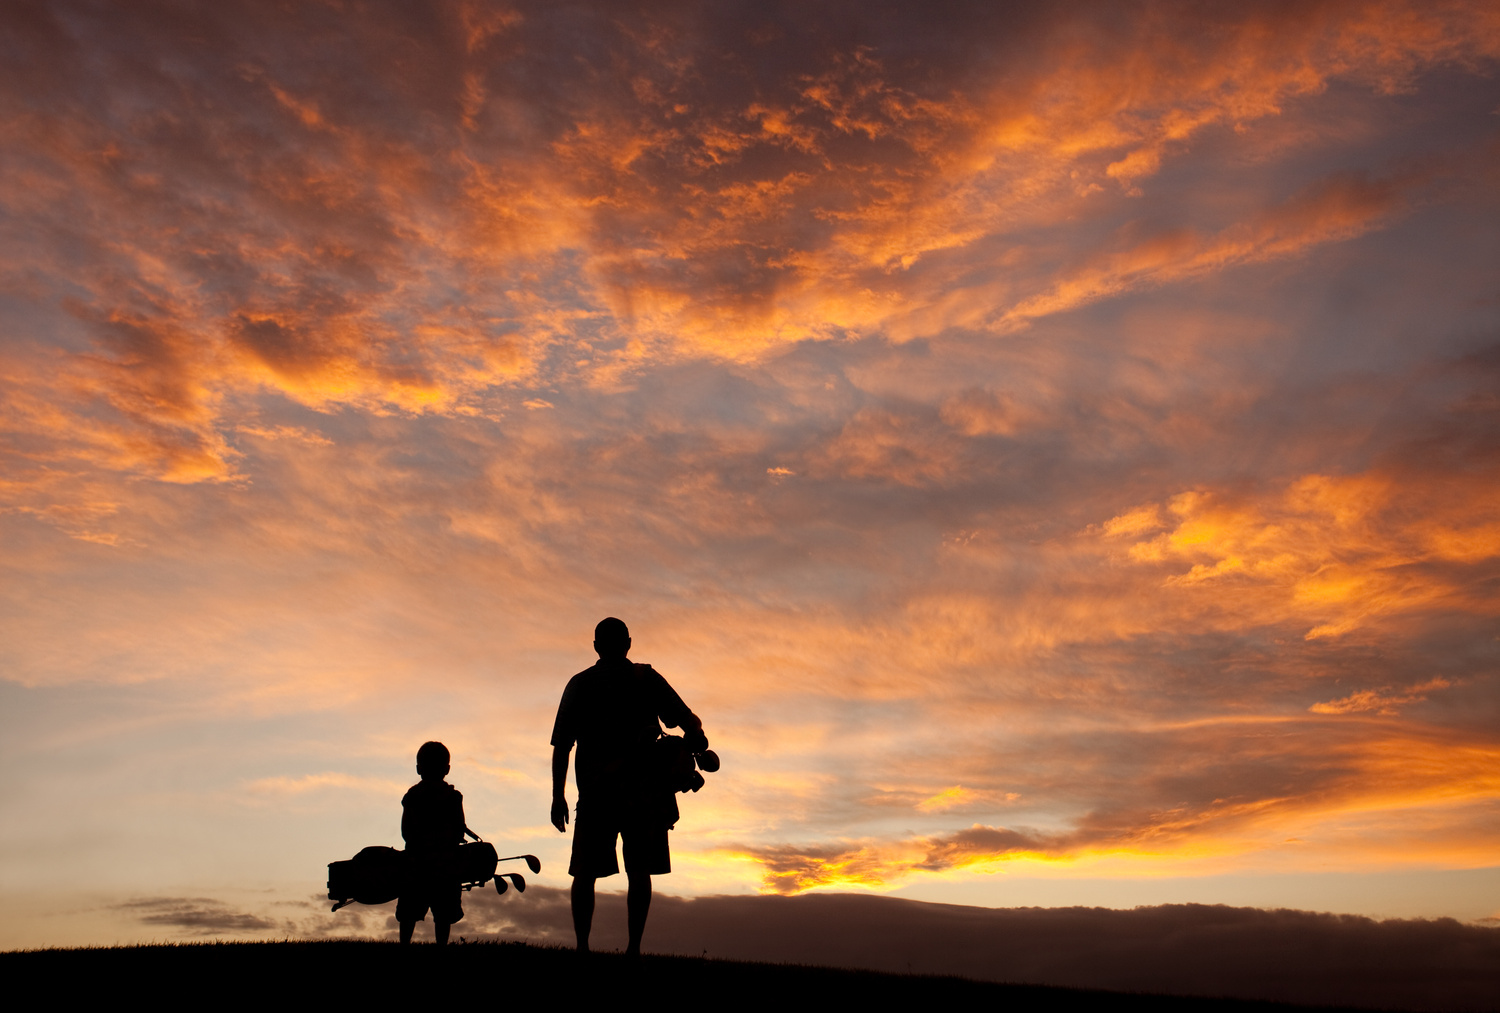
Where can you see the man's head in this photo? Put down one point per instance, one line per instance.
(612, 638)
(432, 761)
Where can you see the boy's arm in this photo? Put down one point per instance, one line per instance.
(560, 786)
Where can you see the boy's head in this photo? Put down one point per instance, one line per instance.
(432, 761)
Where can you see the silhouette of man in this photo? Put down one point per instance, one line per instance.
(610, 711)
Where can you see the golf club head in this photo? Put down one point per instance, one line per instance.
(500, 885)
(708, 760)
(531, 862)
(516, 878)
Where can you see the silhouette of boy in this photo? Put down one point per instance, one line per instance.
(432, 824)
(610, 711)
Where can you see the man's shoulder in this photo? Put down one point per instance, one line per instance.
(604, 685)
(599, 673)
(581, 682)
(591, 674)
(650, 675)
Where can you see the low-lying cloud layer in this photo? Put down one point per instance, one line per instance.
(194, 915)
(1182, 949)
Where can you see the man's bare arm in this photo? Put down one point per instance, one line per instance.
(560, 787)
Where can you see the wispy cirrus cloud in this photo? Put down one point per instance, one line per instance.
(1383, 701)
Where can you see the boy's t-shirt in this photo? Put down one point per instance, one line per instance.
(432, 817)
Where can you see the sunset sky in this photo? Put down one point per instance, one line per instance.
(1054, 447)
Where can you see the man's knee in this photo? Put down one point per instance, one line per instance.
(583, 891)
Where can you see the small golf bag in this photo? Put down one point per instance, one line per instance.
(374, 876)
(476, 864)
(378, 875)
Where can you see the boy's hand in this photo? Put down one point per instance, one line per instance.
(560, 814)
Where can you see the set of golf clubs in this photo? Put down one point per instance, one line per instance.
(532, 863)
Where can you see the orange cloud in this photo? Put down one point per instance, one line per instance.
(1338, 208)
(1382, 701)
(1338, 551)
(291, 242)
(1396, 777)
(884, 445)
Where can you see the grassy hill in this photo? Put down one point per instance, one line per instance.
(361, 971)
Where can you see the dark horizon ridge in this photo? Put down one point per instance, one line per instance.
(301, 961)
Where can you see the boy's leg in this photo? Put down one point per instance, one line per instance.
(447, 908)
(583, 910)
(410, 909)
(637, 906)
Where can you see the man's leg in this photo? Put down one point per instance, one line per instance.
(440, 930)
(583, 909)
(637, 906)
(406, 930)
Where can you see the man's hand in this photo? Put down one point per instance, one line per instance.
(692, 733)
(560, 814)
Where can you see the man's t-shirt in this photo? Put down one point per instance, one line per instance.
(432, 817)
(611, 710)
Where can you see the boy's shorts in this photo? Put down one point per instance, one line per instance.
(432, 885)
(595, 828)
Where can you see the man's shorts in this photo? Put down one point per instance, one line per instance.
(431, 885)
(595, 828)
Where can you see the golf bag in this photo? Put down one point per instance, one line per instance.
(678, 760)
(374, 876)
(377, 875)
(476, 864)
